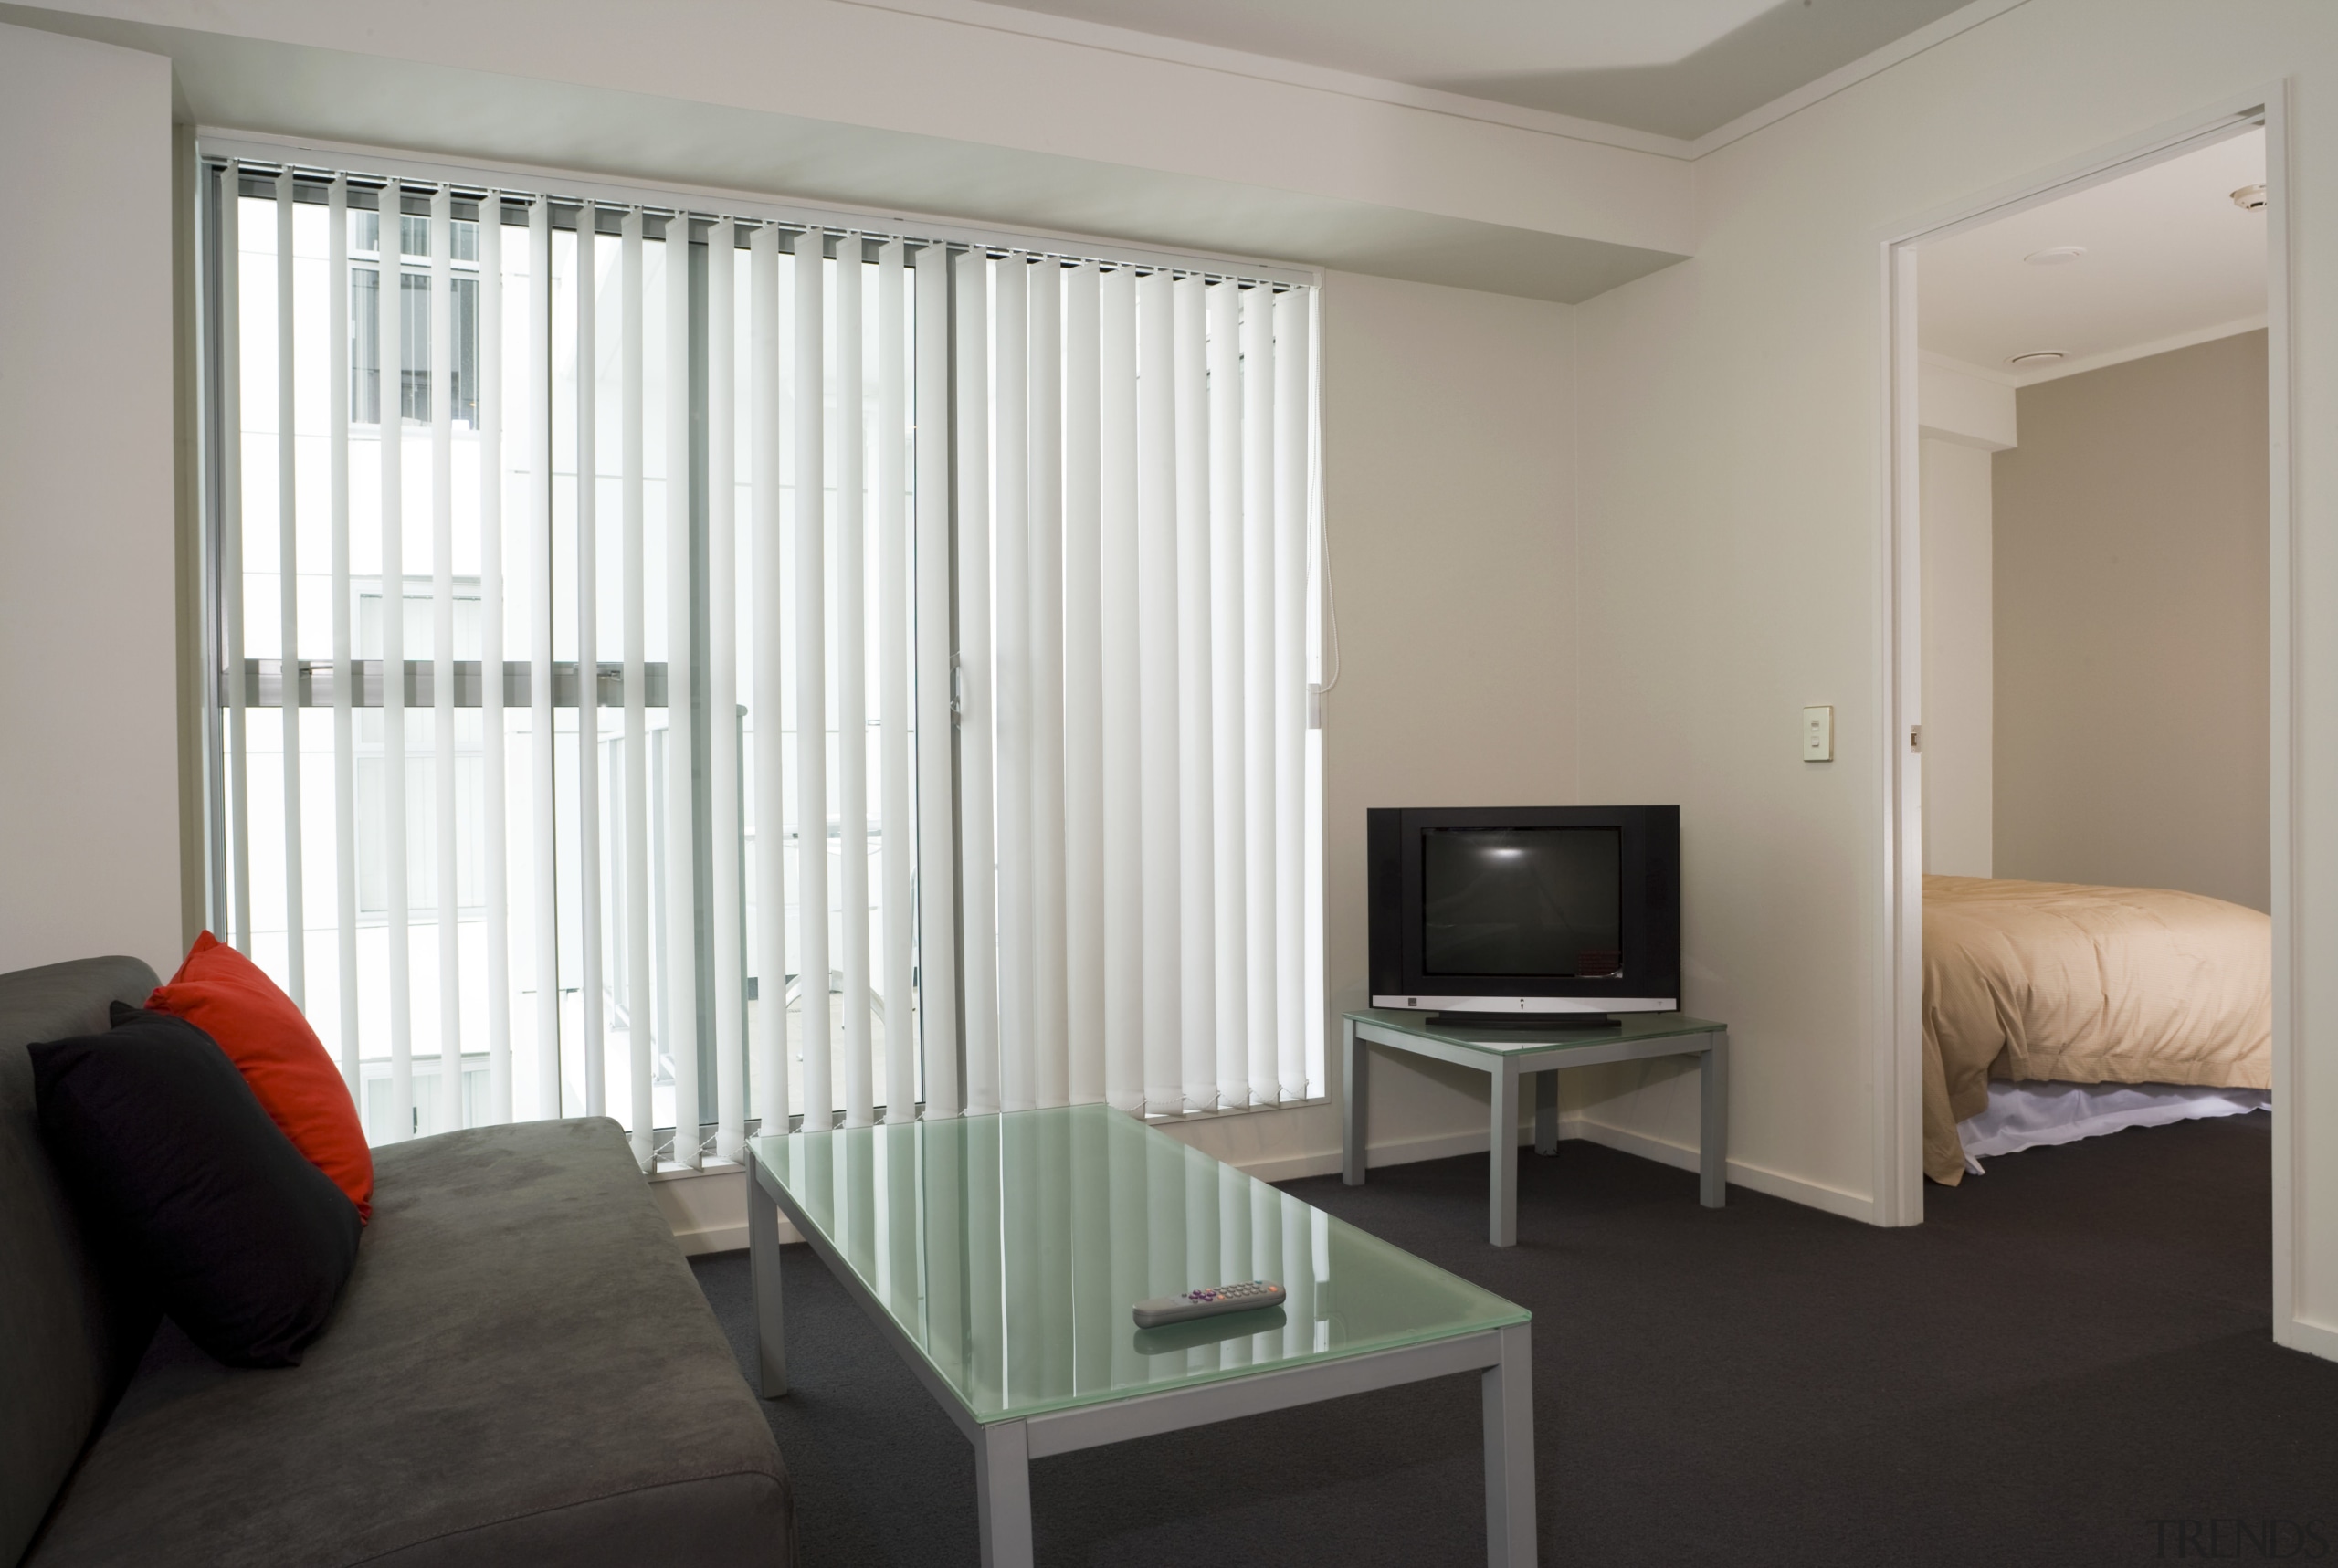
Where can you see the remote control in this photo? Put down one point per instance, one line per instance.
(1207, 1302)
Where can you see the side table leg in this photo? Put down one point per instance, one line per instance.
(1546, 1112)
(1351, 1119)
(763, 1276)
(1003, 1489)
(1508, 1395)
(1502, 1223)
(1712, 1128)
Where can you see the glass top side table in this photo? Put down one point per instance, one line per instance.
(1506, 1055)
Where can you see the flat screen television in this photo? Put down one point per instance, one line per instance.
(1515, 914)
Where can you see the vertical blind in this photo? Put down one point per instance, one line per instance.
(627, 581)
(1134, 478)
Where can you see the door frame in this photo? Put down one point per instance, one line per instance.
(1898, 1062)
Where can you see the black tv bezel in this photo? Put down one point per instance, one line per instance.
(1651, 915)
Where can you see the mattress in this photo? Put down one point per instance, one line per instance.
(2033, 1115)
(2058, 980)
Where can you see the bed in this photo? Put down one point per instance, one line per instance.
(2070, 985)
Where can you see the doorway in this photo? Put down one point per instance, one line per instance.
(1949, 382)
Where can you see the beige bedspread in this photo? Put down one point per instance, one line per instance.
(2055, 979)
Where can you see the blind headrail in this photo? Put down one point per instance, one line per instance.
(368, 171)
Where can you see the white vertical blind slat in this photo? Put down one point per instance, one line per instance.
(978, 909)
(852, 688)
(1291, 480)
(769, 666)
(345, 669)
(1258, 694)
(495, 809)
(589, 834)
(1157, 680)
(937, 858)
(1089, 620)
(723, 688)
(389, 397)
(1011, 678)
(439, 391)
(239, 913)
(812, 971)
(1051, 1066)
(543, 919)
(1228, 833)
(1083, 691)
(641, 1017)
(1121, 694)
(287, 599)
(897, 832)
(681, 1035)
(1196, 783)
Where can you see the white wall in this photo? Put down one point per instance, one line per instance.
(1963, 417)
(1733, 562)
(1959, 660)
(90, 771)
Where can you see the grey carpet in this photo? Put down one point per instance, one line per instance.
(2069, 1362)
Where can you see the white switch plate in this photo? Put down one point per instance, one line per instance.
(1818, 735)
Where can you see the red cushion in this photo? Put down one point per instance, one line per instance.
(227, 997)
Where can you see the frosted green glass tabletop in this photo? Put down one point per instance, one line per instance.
(1008, 1250)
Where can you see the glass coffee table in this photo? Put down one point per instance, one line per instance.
(1001, 1255)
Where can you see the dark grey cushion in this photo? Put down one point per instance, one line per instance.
(522, 1371)
(66, 1340)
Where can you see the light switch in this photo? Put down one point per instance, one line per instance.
(1818, 735)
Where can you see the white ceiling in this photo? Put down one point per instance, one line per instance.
(2168, 257)
(1677, 67)
(337, 95)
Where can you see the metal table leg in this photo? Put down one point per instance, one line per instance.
(1546, 1112)
(1502, 1227)
(1003, 1487)
(1507, 1396)
(1712, 1125)
(763, 1276)
(1354, 1064)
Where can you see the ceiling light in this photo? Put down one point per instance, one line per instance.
(2252, 198)
(2038, 356)
(2056, 257)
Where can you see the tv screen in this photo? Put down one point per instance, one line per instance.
(1522, 900)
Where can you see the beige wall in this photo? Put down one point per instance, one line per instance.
(1735, 548)
(90, 769)
(1448, 465)
(1959, 743)
(2131, 674)
(1448, 421)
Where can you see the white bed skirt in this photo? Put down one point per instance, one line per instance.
(2026, 1115)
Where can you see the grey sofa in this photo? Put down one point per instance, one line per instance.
(521, 1370)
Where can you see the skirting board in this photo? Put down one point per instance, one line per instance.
(707, 1207)
(1445, 1145)
(1753, 1178)
(1392, 1151)
(2314, 1339)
